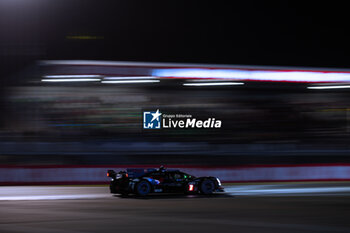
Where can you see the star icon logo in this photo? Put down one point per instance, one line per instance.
(156, 115)
(151, 119)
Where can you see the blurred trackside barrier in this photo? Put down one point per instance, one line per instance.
(89, 174)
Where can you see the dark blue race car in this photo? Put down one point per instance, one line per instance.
(145, 181)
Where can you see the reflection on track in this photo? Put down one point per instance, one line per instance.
(290, 189)
(52, 197)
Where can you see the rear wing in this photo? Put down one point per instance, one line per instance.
(131, 172)
(137, 172)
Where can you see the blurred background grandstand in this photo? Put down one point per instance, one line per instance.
(90, 112)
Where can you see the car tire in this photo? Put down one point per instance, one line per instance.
(207, 187)
(143, 188)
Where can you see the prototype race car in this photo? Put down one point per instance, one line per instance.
(144, 181)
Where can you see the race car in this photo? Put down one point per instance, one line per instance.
(145, 181)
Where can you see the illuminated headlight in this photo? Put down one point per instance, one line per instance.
(219, 182)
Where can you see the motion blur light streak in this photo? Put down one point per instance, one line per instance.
(131, 81)
(255, 75)
(213, 84)
(127, 78)
(330, 87)
(72, 80)
(211, 72)
(73, 76)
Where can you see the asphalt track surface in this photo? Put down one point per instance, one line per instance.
(311, 207)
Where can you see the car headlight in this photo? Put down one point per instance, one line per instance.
(219, 182)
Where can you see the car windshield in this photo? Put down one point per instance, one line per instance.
(187, 175)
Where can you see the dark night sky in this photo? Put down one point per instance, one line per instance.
(247, 32)
(252, 32)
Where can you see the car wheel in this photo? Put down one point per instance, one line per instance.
(143, 188)
(207, 187)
